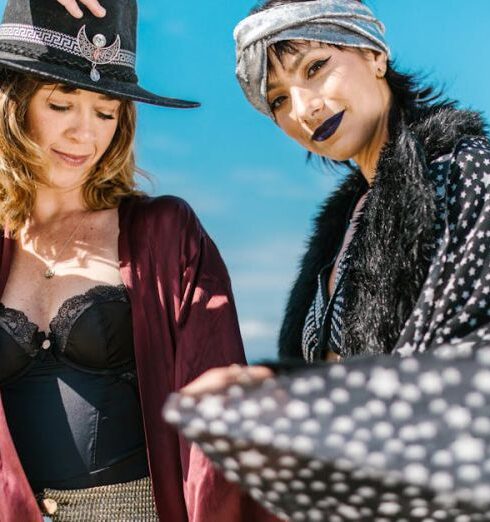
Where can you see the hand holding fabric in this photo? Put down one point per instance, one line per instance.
(217, 379)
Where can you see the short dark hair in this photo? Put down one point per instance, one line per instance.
(409, 90)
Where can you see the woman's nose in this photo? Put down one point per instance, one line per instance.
(82, 128)
(306, 104)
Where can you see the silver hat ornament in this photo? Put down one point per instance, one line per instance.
(40, 37)
(96, 52)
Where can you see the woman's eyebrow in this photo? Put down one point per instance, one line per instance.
(105, 97)
(298, 58)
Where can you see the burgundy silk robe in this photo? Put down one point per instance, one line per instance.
(184, 322)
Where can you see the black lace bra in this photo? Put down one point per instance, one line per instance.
(91, 331)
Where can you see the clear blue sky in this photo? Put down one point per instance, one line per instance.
(249, 184)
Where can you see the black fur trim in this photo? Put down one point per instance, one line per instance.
(393, 245)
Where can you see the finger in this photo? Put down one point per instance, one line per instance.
(259, 373)
(217, 379)
(94, 7)
(72, 7)
(211, 381)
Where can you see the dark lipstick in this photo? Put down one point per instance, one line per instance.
(328, 127)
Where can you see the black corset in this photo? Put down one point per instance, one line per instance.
(70, 396)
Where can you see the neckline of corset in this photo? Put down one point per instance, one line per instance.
(29, 329)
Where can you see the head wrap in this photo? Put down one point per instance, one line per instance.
(340, 22)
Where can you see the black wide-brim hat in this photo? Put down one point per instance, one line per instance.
(97, 54)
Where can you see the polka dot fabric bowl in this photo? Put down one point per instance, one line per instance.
(377, 439)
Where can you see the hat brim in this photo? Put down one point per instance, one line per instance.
(81, 80)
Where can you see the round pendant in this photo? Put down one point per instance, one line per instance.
(99, 40)
(49, 273)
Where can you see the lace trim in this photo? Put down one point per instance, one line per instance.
(18, 326)
(75, 306)
(23, 331)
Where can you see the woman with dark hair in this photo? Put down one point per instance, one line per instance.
(398, 264)
(110, 299)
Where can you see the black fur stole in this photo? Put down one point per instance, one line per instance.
(394, 241)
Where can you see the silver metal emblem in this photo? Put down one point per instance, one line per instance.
(99, 40)
(96, 52)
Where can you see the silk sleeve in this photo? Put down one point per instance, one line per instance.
(207, 336)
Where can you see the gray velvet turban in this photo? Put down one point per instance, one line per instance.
(340, 22)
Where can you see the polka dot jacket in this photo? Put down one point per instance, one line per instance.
(379, 439)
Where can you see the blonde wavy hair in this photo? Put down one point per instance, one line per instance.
(22, 162)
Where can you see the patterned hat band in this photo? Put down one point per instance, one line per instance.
(94, 54)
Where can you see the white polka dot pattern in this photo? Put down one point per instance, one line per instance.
(376, 439)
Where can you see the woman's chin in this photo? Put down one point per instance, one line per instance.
(335, 154)
(332, 149)
(66, 181)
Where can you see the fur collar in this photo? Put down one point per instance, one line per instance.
(393, 245)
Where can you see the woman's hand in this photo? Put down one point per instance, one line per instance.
(73, 8)
(216, 379)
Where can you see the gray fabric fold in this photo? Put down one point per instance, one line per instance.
(340, 22)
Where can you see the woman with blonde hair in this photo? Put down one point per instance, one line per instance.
(110, 299)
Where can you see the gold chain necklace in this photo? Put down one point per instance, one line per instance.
(50, 272)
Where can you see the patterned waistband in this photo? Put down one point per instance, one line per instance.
(126, 502)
